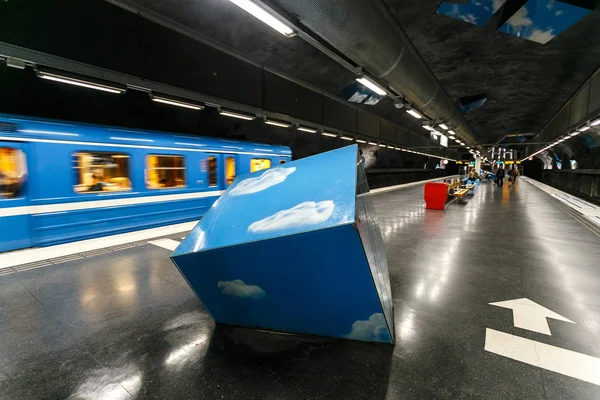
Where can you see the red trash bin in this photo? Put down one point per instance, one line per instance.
(436, 194)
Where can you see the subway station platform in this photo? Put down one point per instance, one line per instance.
(121, 323)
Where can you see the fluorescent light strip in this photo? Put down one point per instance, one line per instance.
(443, 126)
(190, 144)
(372, 85)
(177, 103)
(236, 115)
(451, 132)
(596, 122)
(583, 128)
(346, 138)
(452, 137)
(264, 16)
(381, 145)
(574, 133)
(414, 113)
(328, 134)
(360, 141)
(373, 143)
(77, 82)
(277, 123)
(131, 139)
(390, 147)
(428, 127)
(47, 132)
(309, 130)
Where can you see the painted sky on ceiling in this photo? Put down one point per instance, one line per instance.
(538, 20)
(542, 20)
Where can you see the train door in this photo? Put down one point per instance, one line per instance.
(230, 169)
(15, 222)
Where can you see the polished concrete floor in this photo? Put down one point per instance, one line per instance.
(125, 325)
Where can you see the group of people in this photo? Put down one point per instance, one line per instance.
(500, 174)
(513, 173)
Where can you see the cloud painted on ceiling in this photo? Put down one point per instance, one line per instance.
(538, 20)
(476, 12)
(541, 20)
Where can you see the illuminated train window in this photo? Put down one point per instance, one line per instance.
(164, 171)
(13, 172)
(101, 172)
(256, 164)
(229, 170)
(212, 171)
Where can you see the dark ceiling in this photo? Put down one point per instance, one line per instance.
(526, 82)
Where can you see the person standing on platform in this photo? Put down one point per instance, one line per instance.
(514, 172)
(500, 177)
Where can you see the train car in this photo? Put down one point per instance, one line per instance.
(62, 182)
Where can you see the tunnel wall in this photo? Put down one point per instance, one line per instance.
(584, 183)
(389, 177)
(24, 94)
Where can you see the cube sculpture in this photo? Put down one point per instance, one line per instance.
(295, 248)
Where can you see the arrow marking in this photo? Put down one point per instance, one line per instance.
(530, 315)
(551, 358)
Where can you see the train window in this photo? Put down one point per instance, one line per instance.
(101, 172)
(229, 170)
(164, 171)
(282, 161)
(256, 164)
(212, 171)
(13, 172)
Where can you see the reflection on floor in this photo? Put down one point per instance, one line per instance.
(125, 325)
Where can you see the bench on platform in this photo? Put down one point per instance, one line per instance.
(460, 193)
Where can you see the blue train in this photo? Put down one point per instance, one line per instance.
(62, 182)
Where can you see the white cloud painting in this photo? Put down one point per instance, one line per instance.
(304, 214)
(238, 288)
(271, 177)
(373, 329)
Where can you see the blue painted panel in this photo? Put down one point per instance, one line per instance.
(542, 20)
(280, 285)
(280, 250)
(282, 200)
(372, 242)
(476, 12)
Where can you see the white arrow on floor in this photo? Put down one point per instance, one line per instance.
(530, 315)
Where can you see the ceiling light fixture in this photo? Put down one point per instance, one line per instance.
(444, 126)
(305, 129)
(237, 115)
(371, 85)
(346, 138)
(264, 16)
(584, 128)
(360, 141)
(381, 145)
(428, 127)
(373, 143)
(451, 132)
(596, 122)
(177, 103)
(414, 113)
(575, 133)
(80, 81)
(328, 134)
(278, 123)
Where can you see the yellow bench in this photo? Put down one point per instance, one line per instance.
(461, 192)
